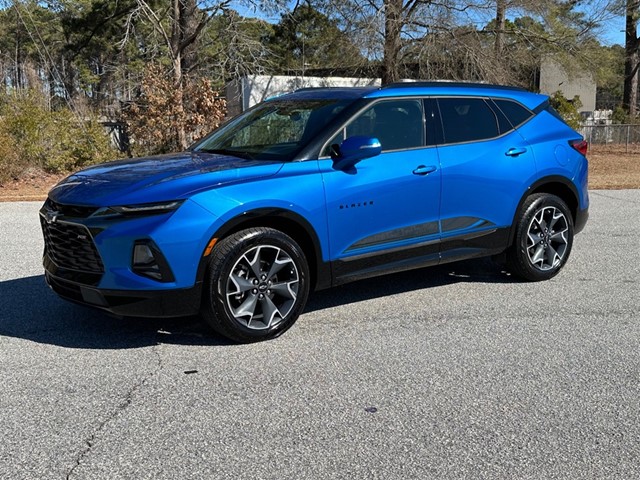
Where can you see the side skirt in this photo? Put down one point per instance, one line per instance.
(452, 249)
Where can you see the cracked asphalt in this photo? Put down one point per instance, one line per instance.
(451, 372)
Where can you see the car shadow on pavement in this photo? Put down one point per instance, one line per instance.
(31, 311)
(481, 270)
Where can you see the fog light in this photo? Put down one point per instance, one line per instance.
(142, 255)
(149, 262)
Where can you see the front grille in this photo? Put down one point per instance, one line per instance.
(71, 246)
(75, 211)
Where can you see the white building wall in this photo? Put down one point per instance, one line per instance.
(249, 91)
(554, 77)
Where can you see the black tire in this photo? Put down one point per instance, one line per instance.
(543, 240)
(256, 286)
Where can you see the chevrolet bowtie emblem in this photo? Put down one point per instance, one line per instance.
(51, 217)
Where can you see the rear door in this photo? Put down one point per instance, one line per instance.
(486, 166)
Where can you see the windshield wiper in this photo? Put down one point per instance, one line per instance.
(227, 151)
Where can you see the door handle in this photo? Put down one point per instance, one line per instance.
(514, 152)
(423, 170)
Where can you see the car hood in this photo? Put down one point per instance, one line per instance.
(157, 178)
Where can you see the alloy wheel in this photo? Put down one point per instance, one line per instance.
(547, 238)
(262, 287)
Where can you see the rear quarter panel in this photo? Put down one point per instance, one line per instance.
(549, 138)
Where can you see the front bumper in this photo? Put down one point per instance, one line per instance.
(96, 250)
(130, 303)
(88, 259)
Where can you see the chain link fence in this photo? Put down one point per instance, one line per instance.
(614, 138)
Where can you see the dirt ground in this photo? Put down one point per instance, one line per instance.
(613, 167)
(610, 168)
(33, 185)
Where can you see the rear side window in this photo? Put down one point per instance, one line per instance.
(503, 123)
(515, 112)
(467, 119)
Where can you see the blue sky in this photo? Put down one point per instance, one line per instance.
(611, 32)
(614, 32)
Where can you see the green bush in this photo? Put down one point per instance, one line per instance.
(569, 110)
(54, 141)
(11, 164)
(621, 116)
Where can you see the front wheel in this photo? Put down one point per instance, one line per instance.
(257, 285)
(544, 237)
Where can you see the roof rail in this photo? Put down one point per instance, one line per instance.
(448, 83)
(343, 87)
(304, 89)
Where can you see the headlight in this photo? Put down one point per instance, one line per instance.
(147, 208)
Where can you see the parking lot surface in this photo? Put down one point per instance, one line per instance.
(457, 371)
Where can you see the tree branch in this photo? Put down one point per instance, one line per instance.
(151, 15)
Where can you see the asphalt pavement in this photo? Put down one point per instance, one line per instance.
(457, 371)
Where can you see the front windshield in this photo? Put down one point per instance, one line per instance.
(274, 130)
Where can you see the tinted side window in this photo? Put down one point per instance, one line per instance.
(503, 123)
(338, 138)
(397, 124)
(516, 113)
(467, 119)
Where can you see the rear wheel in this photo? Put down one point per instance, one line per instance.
(544, 237)
(257, 285)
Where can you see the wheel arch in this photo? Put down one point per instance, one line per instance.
(556, 185)
(288, 222)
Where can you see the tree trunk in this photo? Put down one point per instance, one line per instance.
(189, 22)
(176, 41)
(18, 77)
(631, 60)
(501, 7)
(392, 41)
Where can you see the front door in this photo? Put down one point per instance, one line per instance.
(383, 213)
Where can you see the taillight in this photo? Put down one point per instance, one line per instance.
(580, 145)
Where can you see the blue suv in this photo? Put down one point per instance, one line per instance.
(314, 189)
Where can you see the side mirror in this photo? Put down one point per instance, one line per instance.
(354, 149)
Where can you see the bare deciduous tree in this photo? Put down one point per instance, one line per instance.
(181, 26)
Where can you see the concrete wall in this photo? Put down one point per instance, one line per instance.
(246, 92)
(554, 77)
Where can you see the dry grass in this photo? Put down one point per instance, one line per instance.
(611, 167)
